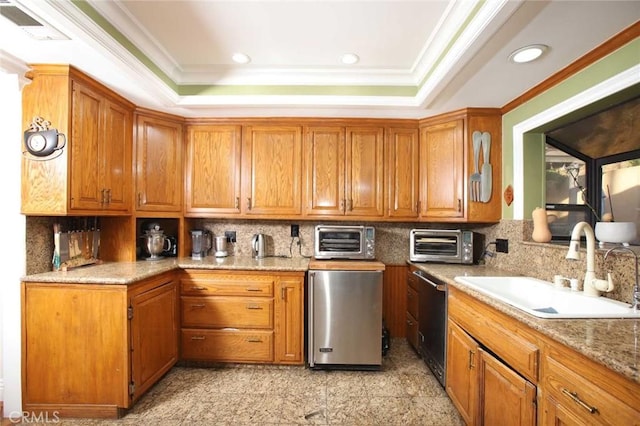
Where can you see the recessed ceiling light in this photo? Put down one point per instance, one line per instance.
(241, 58)
(350, 58)
(528, 53)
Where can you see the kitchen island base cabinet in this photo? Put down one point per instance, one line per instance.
(242, 316)
(91, 350)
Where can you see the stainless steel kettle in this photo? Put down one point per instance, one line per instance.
(258, 246)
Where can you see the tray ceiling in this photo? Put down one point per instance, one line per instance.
(417, 58)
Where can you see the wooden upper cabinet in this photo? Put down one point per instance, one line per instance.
(213, 170)
(442, 170)
(92, 174)
(158, 163)
(324, 153)
(402, 156)
(364, 171)
(272, 170)
(344, 171)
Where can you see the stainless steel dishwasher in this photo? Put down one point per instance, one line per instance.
(345, 316)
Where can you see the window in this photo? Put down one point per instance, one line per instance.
(579, 188)
(566, 192)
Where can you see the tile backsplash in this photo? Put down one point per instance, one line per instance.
(525, 257)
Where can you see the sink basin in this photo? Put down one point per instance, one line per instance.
(541, 299)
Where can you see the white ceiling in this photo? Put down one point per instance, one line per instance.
(417, 58)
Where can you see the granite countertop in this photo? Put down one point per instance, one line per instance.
(124, 273)
(614, 343)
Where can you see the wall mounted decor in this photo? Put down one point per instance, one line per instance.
(41, 142)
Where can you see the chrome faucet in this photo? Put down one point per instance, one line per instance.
(591, 286)
(636, 287)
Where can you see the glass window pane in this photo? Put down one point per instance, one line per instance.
(561, 222)
(622, 182)
(565, 177)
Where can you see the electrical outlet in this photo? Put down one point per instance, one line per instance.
(502, 245)
(231, 236)
(295, 231)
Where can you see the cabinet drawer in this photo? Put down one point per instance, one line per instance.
(227, 285)
(218, 312)
(227, 345)
(507, 338)
(580, 396)
(412, 302)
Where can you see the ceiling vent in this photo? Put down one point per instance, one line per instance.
(34, 28)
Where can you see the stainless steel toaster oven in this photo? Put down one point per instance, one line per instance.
(445, 246)
(345, 242)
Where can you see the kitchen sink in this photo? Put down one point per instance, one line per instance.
(541, 299)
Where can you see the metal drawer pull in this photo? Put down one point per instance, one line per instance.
(254, 307)
(197, 337)
(198, 288)
(254, 289)
(409, 322)
(577, 400)
(254, 340)
(197, 305)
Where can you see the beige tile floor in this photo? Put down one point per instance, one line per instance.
(404, 392)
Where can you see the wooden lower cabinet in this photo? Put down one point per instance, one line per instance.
(91, 350)
(244, 316)
(501, 372)
(412, 311)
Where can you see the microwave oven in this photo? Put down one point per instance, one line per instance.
(345, 242)
(445, 246)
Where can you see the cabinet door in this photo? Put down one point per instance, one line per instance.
(462, 375)
(554, 414)
(213, 170)
(116, 141)
(272, 170)
(402, 172)
(324, 149)
(289, 326)
(442, 170)
(154, 335)
(159, 181)
(506, 397)
(364, 171)
(86, 174)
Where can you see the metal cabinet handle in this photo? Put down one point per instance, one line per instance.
(139, 199)
(342, 205)
(197, 305)
(237, 205)
(439, 287)
(198, 338)
(471, 356)
(283, 293)
(103, 197)
(259, 290)
(254, 340)
(574, 396)
(198, 288)
(249, 203)
(409, 322)
(459, 205)
(256, 307)
(350, 205)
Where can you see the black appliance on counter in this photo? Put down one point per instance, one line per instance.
(432, 327)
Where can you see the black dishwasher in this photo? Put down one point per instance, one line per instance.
(432, 301)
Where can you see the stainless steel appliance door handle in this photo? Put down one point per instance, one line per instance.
(439, 287)
(310, 348)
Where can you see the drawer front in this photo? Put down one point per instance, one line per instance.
(584, 399)
(227, 285)
(503, 336)
(412, 331)
(412, 302)
(412, 281)
(227, 345)
(219, 312)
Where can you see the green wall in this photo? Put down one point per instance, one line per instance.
(621, 60)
